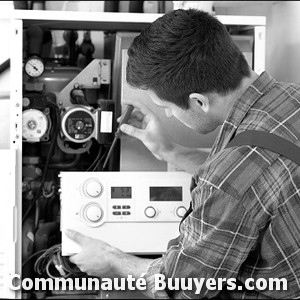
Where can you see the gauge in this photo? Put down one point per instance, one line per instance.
(34, 66)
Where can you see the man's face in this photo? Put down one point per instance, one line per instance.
(194, 119)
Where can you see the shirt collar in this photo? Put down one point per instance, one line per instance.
(240, 108)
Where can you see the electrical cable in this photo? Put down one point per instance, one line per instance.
(100, 160)
(53, 256)
(47, 270)
(49, 195)
(96, 159)
(39, 192)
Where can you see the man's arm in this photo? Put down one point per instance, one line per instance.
(99, 259)
(187, 159)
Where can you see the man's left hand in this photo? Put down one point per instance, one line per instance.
(96, 257)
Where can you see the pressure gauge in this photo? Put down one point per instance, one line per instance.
(34, 66)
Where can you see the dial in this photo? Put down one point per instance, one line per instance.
(180, 211)
(34, 67)
(93, 213)
(150, 212)
(93, 188)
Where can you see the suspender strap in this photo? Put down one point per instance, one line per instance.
(268, 141)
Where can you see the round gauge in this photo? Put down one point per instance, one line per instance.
(34, 66)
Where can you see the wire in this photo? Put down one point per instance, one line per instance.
(96, 159)
(47, 269)
(53, 256)
(100, 160)
(49, 195)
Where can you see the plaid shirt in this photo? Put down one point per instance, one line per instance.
(245, 221)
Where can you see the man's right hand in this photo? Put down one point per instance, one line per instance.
(145, 126)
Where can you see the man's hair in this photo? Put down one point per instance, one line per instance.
(182, 52)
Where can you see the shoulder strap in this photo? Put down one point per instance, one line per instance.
(268, 141)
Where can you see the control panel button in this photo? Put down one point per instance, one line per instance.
(116, 207)
(93, 188)
(150, 212)
(180, 211)
(116, 213)
(93, 213)
(126, 213)
(126, 206)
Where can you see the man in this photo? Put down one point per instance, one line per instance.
(245, 217)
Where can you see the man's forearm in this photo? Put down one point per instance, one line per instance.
(124, 264)
(187, 159)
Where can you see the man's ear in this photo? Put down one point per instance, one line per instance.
(199, 101)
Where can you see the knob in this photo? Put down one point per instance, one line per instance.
(93, 189)
(180, 211)
(93, 213)
(150, 212)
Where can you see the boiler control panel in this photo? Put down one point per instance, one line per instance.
(137, 212)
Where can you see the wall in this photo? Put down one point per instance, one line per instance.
(247, 8)
(283, 41)
(282, 33)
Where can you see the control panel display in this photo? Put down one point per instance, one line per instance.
(121, 192)
(165, 193)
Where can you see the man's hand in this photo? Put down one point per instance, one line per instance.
(145, 126)
(99, 259)
(96, 258)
